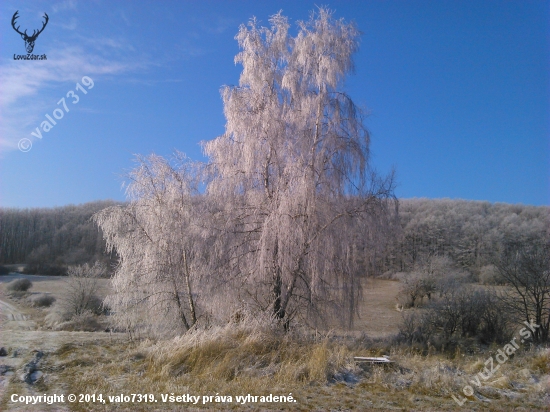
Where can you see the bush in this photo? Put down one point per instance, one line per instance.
(4, 270)
(415, 328)
(79, 294)
(19, 285)
(83, 322)
(42, 300)
(488, 275)
(86, 321)
(466, 313)
(64, 310)
(416, 286)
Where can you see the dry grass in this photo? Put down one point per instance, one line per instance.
(540, 362)
(52, 284)
(261, 353)
(256, 357)
(234, 360)
(320, 373)
(378, 316)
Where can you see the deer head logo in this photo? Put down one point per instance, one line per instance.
(29, 40)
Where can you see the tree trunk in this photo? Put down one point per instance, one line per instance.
(189, 294)
(180, 307)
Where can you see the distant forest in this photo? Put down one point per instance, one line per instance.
(49, 240)
(471, 234)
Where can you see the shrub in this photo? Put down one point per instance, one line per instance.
(19, 285)
(494, 319)
(42, 300)
(4, 270)
(56, 315)
(83, 322)
(466, 313)
(414, 328)
(79, 295)
(488, 275)
(416, 286)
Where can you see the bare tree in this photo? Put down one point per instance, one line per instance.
(291, 173)
(81, 288)
(525, 266)
(412, 290)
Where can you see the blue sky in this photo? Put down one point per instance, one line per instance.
(458, 92)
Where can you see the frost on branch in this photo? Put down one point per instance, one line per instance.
(293, 169)
(154, 236)
(291, 213)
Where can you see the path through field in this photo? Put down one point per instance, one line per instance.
(23, 339)
(10, 312)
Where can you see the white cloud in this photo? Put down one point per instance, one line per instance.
(71, 25)
(64, 5)
(25, 88)
(104, 43)
(222, 24)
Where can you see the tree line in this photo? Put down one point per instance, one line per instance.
(472, 234)
(48, 240)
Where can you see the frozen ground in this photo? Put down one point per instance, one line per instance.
(22, 337)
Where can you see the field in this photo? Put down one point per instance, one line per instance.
(318, 372)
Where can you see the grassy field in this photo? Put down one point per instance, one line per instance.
(378, 316)
(312, 373)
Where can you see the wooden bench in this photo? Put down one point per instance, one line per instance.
(368, 359)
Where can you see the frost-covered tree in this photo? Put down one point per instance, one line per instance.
(291, 174)
(48, 240)
(158, 245)
(525, 266)
(80, 293)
